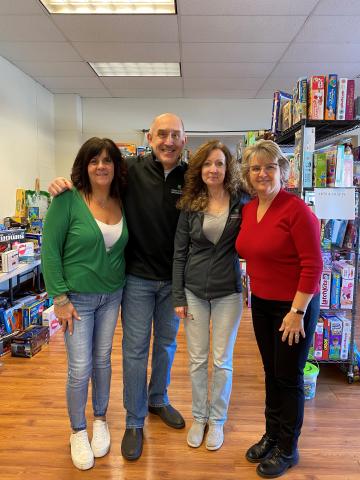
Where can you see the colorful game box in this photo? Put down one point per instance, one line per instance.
(330, 96)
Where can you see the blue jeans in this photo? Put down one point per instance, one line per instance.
(146, 303)
(225, 313)
(89, 353)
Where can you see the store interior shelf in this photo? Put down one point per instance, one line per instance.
(20, 270)
(324, 129)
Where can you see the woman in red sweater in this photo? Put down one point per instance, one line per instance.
(280, 241)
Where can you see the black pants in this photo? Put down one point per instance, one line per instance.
(283, 366)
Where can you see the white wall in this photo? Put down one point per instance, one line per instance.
(123, 119)
(26, 135)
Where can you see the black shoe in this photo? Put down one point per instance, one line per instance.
(259, 451)
(168, 415)
(132, 443)
(277, 463)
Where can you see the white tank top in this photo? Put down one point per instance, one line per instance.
(111, 233)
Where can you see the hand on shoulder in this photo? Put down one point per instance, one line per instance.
(59, 185)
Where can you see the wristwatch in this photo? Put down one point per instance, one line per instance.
(297, 310)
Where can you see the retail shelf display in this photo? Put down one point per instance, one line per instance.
(334, 336)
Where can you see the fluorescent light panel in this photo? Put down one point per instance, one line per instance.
(136, 69)
(110, 7)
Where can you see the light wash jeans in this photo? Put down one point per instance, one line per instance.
(225, 313)
(147, 303)
(89, 353)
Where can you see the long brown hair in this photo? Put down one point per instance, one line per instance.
(195, 193)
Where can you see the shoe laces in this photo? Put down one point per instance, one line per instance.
(81, 439)
(99, 430)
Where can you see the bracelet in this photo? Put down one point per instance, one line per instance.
(296, 310)
(61, 300)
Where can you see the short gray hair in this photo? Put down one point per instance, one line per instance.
(267, 149)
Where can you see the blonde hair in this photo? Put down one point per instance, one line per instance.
(267, 149)
(195, 195)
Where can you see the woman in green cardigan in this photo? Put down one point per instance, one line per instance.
(83, 263)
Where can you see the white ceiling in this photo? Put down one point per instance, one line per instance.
(227, 48)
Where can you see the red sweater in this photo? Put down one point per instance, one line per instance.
(282, 251)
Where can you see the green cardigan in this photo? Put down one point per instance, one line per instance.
(73, 253)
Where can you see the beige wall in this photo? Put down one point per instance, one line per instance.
(26, 135)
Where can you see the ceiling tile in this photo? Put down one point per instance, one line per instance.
(70, 82)
(56, 69)
(142, 82)
(38, 51)
(295, 70)
(240, 29)
(119, 28)
(128, 52)
(218, 93)
(84, 92)
(245, 7)
(224, 83)
(319, 29)
(322, 52)
(334, 7)
(232, 52)
(21, 7)
(226, 70)
(32, 28)
(284, 84)
(265, 94)
(147, 93)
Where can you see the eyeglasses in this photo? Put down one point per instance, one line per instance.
(269, 168)
(174, 134)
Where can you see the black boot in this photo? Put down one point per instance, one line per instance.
(132, 443)
(277, 463)
(260, 450)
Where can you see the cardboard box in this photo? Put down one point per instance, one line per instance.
(330, 96)
(32, 312)
(341, 99)
(316, 98)
(325, 285)
(335, 338)
(345, 339)
(9, 261)
(50, 320)
(29, 342)
(346, 293)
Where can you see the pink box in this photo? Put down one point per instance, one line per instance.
(346, 293)
(50, 320)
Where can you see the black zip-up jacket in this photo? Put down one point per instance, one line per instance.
(151, 216)
(207, 270)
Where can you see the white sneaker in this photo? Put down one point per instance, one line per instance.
(215, 436)
(81, 453)
(100, 442)
(195, 435)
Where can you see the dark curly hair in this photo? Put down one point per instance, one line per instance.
(195, 195)
(90, 149)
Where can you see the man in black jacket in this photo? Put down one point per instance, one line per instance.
(155, 185)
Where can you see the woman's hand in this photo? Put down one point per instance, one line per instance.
(59, 185)
(65, 316)
(181, 312)
(292, 326)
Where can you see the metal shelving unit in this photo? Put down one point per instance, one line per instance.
(326, 130)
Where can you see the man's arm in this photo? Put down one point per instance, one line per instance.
(59, 185)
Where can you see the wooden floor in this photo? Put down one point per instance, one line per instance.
(34, 429)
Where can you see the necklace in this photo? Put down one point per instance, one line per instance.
(102, 203)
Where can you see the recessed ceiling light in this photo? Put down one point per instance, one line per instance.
(111, 7)
(136, 69)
